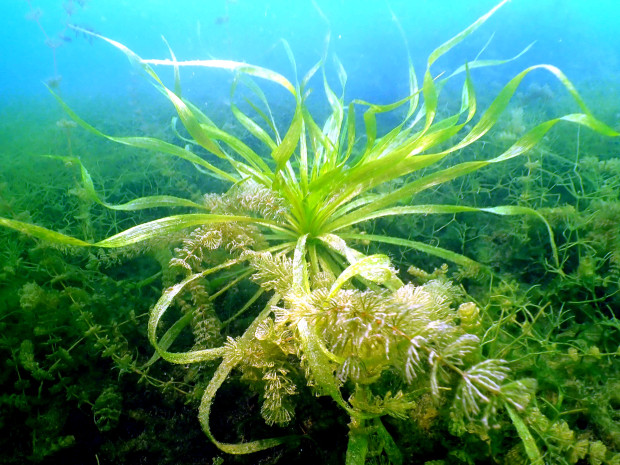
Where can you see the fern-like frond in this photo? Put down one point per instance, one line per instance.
(206, 326)
(420, 304)
(519, 393)
(396, 405)
(248, 197)
(195, 254)
(254, 198)
(192, 255)
(277, 408)
(414, 356)
(273, 272)
(456, 352)
(443, 361)
(479, 384)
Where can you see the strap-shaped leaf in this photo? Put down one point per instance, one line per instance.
(449, 44)
(141, 203)
(252, 127)
(396, 157)
(429, 90)
(452, 209)
(285, 150)
(489, 118)
(216, 134)
(216, 382)
(252, 70)
(187, 116)
(184, 111)
(177, 74)
(171, 224)
(204, 413)
(337, 244)
(529, 443)
(319, 364)
(413, 79)
(357, 447)
(389, 445)
(160, 308)
(43, 233)
(136, 234)
(149, 143)
(266, 117)
(350, 132)
(375, 268)
(445, 254)
(300, 271)
(170, 336)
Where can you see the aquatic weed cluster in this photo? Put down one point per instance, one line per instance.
(413, 362)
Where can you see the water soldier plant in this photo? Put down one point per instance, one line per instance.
(327, 315)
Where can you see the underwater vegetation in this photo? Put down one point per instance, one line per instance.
(53, 42)
(290, 276)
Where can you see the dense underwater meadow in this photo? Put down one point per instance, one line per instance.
(422, 266)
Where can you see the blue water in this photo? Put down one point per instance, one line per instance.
(578, 36)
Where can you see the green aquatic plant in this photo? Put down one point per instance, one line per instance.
(58, 357)
(559, 326)
(333, 318)
(54, 41)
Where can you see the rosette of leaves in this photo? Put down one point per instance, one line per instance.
(296, 202)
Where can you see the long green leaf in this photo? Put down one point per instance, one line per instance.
(252, 127)
(389, 445)
(170, 336)
(529, 443)
(43, 233)
(160, 308)
(216, 382)
(375, 268)
(446, 46)
(149, 143)
(489, 118)
(300, 271)
(141, 203)
(445, 254)
(285, 150)
(357, 447)
(319, 364)
(139, 233)
(252, 70)
(197, 128)
(452, 209)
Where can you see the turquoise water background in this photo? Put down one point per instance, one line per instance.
(579, 36)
